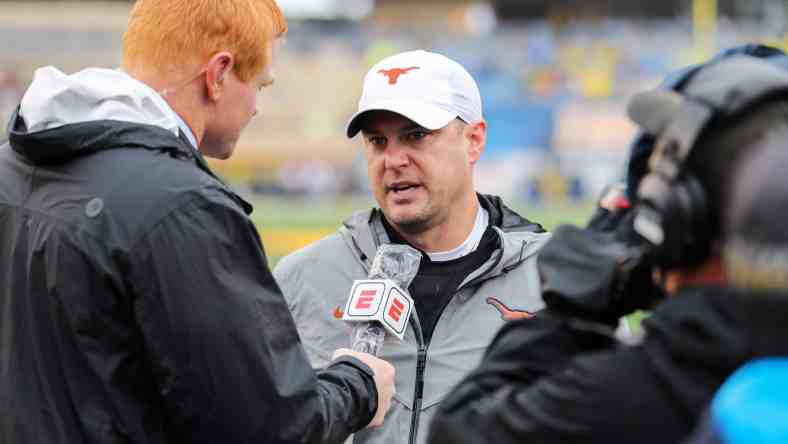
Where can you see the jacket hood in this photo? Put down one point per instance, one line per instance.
(505, 218)
(62, 116)
(55, 99)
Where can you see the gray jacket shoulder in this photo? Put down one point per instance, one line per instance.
(332, 257)
(337, 251)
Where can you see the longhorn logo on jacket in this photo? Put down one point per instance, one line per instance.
(394, 73)
(508, 314)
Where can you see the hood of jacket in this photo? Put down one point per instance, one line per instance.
(364, 231)
(64, 116)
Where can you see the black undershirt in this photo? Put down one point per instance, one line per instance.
(436, 282)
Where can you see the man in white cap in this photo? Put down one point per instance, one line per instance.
(421, 119)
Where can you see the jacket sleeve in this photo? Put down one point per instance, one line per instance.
(221, 343)
(551, 379)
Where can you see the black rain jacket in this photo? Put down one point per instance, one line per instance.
(555, 379)
(136, 303)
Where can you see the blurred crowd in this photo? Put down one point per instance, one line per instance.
(553, 95)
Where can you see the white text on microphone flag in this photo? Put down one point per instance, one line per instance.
(379, 300)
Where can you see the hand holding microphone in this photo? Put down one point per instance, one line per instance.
(383, 374)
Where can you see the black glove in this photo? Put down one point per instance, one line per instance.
(598, 275)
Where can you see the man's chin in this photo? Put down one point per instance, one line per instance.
(218, 154)
(407, 222)
(400, 214)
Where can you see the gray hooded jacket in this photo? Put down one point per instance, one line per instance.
(316, 281)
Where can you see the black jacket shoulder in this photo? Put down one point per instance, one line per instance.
(114, 180)
(138, 305)
(555, 378)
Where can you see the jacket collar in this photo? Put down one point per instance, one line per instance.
(64, 143)
(505, 218)
(364, 232)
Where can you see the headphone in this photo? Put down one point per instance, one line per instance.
(672, 210)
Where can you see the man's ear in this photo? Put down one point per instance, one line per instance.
(476, 134)
(217, 71)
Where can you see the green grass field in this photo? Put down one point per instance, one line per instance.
(288, 224)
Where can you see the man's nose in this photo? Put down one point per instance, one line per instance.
(396, 156)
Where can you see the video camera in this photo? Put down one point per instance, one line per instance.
(605, 270)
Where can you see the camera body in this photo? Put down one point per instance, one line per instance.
(606, 270)
(673, 212)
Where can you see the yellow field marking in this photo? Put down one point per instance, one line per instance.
(283, 241)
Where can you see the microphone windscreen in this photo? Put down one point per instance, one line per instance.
(397, 262)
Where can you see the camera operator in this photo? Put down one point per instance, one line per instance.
(752, 404)
(562, 377)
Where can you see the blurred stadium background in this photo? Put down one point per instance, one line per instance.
(555, 77)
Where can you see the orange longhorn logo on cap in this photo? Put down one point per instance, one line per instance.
(394, 73)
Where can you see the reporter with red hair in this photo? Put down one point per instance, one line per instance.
(136, 303)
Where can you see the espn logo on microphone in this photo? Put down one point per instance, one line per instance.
(380, 300)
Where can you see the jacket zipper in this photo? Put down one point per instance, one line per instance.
(421, 362)
(418, 390)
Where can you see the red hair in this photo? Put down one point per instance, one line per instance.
(164, 34)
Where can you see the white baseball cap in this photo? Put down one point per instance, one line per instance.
(427, 88)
